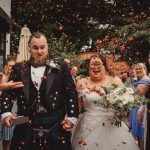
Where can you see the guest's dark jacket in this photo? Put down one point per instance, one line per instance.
(57, 91)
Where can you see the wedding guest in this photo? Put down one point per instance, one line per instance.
(142, 85)
(125, 75)
(129, 81)
(48, 98)
(132, 75)
(147, 123)
(147, 132)
(67, 61)
(74, 73)
(7, 132)
(148, 64)
(95, 130)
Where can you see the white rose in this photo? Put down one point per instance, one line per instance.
(52, 65)
(127, 97)
(111, 97)
(117, 90)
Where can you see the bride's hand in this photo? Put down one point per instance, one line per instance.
(99, 91)
(67, 125)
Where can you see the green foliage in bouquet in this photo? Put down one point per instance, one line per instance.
(120, 100)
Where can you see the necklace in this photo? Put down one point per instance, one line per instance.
(93, 84)
(98, 82)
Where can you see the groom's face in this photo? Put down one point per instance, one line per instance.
(39, 50)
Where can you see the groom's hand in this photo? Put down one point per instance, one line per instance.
(67, 125)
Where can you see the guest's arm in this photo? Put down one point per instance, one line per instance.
(8, 96)
(10, 85)
(142, 89)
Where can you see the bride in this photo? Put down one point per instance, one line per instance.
(95, 129)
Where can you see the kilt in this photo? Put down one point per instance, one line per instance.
(24, 137)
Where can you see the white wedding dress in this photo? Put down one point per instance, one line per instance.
(95, 129)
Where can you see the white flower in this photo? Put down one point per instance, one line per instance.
(52, 64)
(122, 94)
(120, 100)
(111, 97)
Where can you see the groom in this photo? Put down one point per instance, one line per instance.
(48, 98)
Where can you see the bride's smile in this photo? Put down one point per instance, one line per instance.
(96, 69)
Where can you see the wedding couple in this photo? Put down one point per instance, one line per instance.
(49, 99)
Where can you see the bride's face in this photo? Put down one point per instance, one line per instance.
(96, 68)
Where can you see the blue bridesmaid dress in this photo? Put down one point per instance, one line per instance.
(137, 129)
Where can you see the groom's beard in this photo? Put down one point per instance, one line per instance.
(38, 62)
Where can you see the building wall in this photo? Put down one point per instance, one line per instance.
(6, 5)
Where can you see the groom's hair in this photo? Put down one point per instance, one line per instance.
(35, 35)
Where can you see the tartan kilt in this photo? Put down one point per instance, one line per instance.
(57, 138)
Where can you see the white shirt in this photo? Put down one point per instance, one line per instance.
(36, 75)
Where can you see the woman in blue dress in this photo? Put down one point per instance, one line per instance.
(142, 85)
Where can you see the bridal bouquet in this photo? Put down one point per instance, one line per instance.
(121, 100)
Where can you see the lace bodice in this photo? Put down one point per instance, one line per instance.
(91, 100)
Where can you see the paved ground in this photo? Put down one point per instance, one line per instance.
(1, 145)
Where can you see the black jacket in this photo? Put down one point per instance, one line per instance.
(57, 91)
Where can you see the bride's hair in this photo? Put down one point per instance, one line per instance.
(103, 59)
